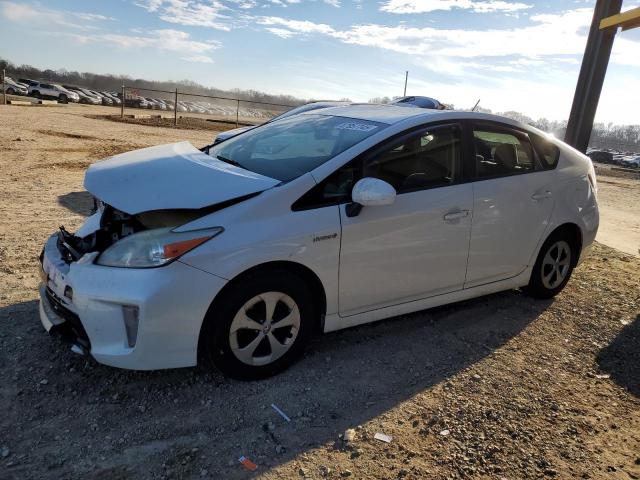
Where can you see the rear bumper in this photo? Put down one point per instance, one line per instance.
(88, 303)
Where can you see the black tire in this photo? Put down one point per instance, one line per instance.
(216, 336)
(543, 282)
(62, 98)
(36, 94)
(10, 91)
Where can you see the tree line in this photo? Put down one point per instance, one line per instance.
(102, 82)
(622, 138)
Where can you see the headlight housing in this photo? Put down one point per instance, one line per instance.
(154, 248)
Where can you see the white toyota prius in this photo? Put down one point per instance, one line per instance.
(235, 254)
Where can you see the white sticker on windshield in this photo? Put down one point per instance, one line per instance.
(360, 127)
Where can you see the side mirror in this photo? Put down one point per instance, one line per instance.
(370, 192)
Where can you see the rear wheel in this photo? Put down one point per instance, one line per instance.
(10, 91)
(260, 324)
(37, 94)
(553, 267)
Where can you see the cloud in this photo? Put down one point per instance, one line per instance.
(295, 26)
(164, 40)
(548, 35)
(192, 13)
(28, 14)
(281, 32)
(424, 6)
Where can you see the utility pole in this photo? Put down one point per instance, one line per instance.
(4, 88)
(406, 77)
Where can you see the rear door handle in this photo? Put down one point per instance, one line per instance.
(541, 195)
(456, 215)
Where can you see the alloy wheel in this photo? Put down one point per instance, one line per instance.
(556, 264)
(264, 328)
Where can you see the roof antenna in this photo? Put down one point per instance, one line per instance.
(475, 106)
(406, 77)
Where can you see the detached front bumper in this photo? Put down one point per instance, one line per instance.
(141, 319)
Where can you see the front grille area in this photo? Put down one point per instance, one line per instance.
(72, 325)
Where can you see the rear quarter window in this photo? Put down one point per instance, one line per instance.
(547, 151)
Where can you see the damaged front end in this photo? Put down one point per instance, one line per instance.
(100, 283)
(108, 225)
(112, 238)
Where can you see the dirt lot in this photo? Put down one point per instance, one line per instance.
(619, 200)
(498, 387)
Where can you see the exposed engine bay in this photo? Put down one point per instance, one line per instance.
(115, 225)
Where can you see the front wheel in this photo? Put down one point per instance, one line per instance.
(10, 91)
(260, 324)
(553, 267)
(62, 99)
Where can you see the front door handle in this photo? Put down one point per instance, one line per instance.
(456, 215)
(541, 195)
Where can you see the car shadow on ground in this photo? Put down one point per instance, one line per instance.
(621, 358)
(174, 423)
(80, 203)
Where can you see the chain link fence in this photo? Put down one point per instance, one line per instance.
(136, 102)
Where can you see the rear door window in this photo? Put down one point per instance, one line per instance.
(502, 152)
(548, 153)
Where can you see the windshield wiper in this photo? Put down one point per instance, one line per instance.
(229, 161)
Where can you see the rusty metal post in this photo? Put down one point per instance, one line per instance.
(122, 103)
(4, 88)
(591, 78)
(175, 109)
(237, 112)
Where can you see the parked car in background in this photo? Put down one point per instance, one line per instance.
(103, 98)
(157, 104)
(234, 256)
(135, 101)
(600, 156)
(114, 98)
(194, 107)
(90, 93)
(163, 102)
(83, 97)
(631, 161)
(52, 91)
(308, 107)
(11, 87)
(27, 81)
(420, 102)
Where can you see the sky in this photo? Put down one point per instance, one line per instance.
(519, 55)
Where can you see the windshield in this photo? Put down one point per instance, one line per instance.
(301, 109)
(293, 146)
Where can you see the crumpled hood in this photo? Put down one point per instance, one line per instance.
(169, 176)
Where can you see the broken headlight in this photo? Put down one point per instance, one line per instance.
(154, 248)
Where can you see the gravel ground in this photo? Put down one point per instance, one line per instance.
(498, 387)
